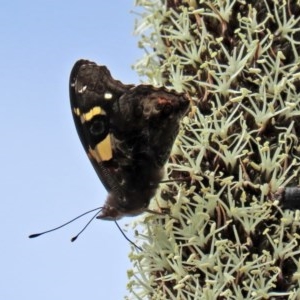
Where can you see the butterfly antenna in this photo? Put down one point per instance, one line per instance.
(131, 242)
(74, 238)
(38, 234)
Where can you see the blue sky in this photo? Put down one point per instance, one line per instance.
(46, 179)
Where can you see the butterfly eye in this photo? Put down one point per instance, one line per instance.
(159, 106)
(138, 111)
(99, 126)
(167, 109)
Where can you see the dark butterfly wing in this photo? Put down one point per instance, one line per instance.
(92, 94)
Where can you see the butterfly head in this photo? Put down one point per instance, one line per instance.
(129, 205)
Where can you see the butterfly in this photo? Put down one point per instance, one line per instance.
(127, 132)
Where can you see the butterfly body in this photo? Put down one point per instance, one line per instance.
(127, 132)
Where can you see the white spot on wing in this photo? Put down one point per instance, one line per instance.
(108, 96)
(82, 90)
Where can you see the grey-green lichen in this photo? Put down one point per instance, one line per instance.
(227, 236)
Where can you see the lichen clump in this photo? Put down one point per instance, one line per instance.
(227, 235)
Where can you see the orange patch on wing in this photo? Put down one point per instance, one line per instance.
(102, 151)
(85, 117)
